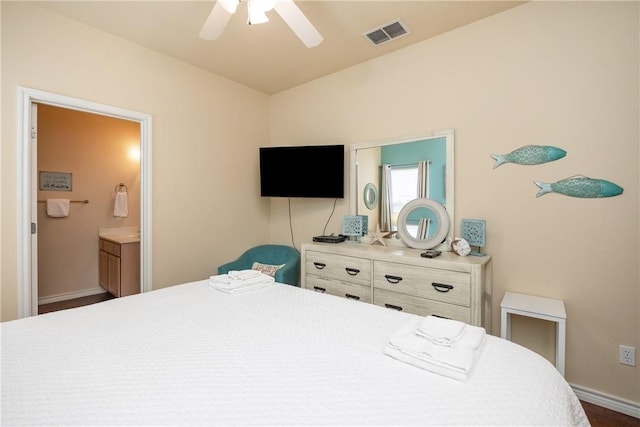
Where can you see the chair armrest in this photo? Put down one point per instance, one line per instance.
(289, 274)
(233, 265)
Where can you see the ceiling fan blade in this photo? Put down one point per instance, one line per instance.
(215, 23)
(299, 23)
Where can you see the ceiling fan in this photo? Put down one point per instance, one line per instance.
(287, 9)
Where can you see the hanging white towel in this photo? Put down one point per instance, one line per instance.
(58, 208)
(120, 208)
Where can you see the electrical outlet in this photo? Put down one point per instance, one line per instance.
(628, 355)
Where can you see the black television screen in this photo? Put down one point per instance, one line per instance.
(304, 171)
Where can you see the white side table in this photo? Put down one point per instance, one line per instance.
(538, 307)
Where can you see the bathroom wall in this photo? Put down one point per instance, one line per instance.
(100, 152)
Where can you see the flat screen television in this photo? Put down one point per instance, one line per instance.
(315, 171)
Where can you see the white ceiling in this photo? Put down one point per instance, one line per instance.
(269, 57)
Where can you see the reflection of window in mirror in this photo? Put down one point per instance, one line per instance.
(404, 188)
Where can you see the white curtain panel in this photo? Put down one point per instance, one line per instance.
(423, 228)
(423, 179)
(385, 199)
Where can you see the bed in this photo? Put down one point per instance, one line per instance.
(192, 355)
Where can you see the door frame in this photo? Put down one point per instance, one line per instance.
(27, 185)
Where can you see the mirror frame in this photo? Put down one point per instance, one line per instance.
(441, 232)
(448, 134)
(370, 196)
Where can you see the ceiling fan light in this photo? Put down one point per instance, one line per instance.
(256, 14)
(229, 5)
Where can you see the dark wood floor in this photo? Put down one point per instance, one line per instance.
(603, 417)
(72, 303)
(598, 416)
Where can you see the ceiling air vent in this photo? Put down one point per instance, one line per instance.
(387, 32)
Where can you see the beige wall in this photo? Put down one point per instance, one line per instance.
(550, 73)
(96, 150)
(203, 208)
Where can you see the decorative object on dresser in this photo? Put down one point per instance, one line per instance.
(474, 232)
(355, 225)
(423, 223)
(378, 236)
(460, 246)
(400, 279)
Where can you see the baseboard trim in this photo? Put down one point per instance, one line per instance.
(623, 406)
(71, 295)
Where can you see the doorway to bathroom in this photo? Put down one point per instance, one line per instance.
(72, 268)
(84, 162)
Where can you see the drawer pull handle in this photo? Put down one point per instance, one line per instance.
(352, 271)
(393, 279)
(319, 289)
(393, 307)
(319, 265)
(442, 317)
(441, 287)
(355, 297)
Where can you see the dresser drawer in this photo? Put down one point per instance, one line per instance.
(343, 268)
(340, 289)
(110, 247)
(440, 285)
(420, 306)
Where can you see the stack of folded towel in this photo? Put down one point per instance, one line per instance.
(235, 282)
(443, 346)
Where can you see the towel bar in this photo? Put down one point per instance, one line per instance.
(70, 201)
(121, 188)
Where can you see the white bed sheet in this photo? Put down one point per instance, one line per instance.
(191, 355)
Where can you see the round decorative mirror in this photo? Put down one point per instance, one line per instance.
(423, 223)
(370, 196)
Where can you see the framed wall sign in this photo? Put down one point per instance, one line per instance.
(55, 181)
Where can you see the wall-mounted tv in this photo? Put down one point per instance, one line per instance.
(302, 171)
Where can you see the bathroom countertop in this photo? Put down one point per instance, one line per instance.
(120, 235)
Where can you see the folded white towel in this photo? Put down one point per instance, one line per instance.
(456, 361)
(430, 366)
(440, 331)
(120, 206)
(58, 208)
(228, 285)
(243, 274)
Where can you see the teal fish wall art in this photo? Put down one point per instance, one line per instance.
(580, 186)
(530, 155)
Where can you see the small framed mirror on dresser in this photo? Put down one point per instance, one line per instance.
(402, 170)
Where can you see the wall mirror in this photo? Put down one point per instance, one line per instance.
(423, 224)
(370, 196)
(396, 167)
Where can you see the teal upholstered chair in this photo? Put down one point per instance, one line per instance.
(289, 273)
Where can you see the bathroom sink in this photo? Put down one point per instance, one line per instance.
(120, 235)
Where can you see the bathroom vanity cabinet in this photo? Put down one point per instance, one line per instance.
(119, 267)
(400, 279)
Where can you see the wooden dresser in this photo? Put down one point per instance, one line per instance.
(399, 278)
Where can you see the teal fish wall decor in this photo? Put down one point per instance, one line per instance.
(530, 155)
(581, 186)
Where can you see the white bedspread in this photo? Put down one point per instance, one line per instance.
(189, 355)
